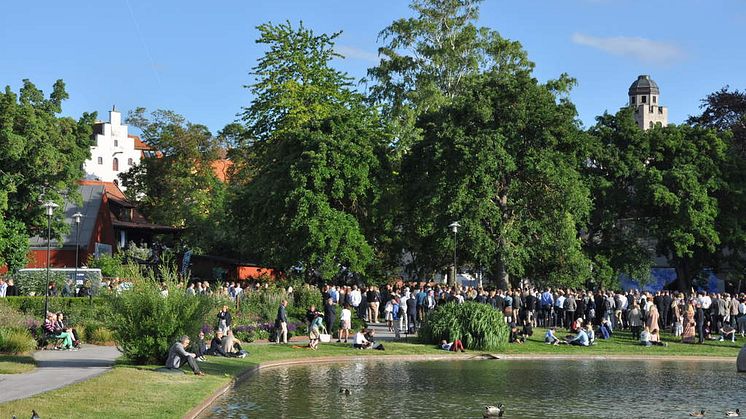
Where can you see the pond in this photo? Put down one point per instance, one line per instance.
(461, 389)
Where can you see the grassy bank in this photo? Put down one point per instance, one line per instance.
(137, 391)
(15, 364)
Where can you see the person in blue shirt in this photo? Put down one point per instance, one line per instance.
(581, 339)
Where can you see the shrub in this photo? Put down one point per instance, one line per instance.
(100, 336)
(12, 318)
(478, 326)
(305, 295)
(261, 305)
(34, 282)
(146, 324)
(16, 341)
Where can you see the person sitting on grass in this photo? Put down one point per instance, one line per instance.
(581, 339)
(550, 338)
(177, 355)
(514, 336)
(646, 337)
(359, 341)
(216, 345)
(655, 338)
(53, 331)
(727, 333)
(605, 330)
(454, 346)
(590, 333)
(232, 346)
(200, 347)
(576, 325)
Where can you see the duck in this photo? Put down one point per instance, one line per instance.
(345, 391)
(34, 415)
(732, 414)
(698, 414)
(494, 411)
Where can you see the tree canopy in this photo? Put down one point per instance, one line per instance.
(41, 158)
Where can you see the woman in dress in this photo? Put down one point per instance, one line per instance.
(688, 334)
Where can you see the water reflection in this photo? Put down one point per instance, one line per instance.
(434, 389)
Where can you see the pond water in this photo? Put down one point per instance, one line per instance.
(461, 389)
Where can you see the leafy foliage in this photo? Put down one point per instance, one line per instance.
(179, 186)
(503, 160)
(16, 341)
(478, 326)
(41, 156)
(307, 177)
(146, 324)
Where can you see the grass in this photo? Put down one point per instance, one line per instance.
(138, 392)
(16, 364)
(622, 344)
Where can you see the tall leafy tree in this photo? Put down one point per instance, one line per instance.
(656, 192)
(425, 62)
(309, 160)
(725, 111)
(41, 158)
(426, 59)
(502, 159)
(618, 236)
(682, 178)
(178, 185)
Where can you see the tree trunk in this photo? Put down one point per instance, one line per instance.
(683, 276)
(503, 280)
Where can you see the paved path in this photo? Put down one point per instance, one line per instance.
(55, 369)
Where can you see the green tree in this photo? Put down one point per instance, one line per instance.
(617, 236)
(503, 160)
(725, 111)
(41, 158)
(308, 168)
(656, 192)
(178, 186)
(428, 58)
(681, 180)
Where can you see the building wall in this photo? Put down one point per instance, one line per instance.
(112, 143)
(649, 115)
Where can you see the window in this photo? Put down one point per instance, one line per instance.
(100, 160)
(644, 99)
(116, 143)
(129, 161)
(115, 164)
(633, 99)
(655, 99)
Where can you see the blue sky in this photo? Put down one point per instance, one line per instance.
(194, 56)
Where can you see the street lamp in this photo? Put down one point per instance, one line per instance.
(77, 217)
(49, 206)
(454, 227)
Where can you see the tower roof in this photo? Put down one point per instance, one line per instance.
(644, 85)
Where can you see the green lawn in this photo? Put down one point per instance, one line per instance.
(137, 391)
(622, 344)
(15, 364)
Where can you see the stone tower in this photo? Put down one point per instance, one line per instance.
(644, 97)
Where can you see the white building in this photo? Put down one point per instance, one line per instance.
(114, 150)
(644, 97)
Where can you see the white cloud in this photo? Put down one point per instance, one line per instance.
(642, 49)
(356, 53)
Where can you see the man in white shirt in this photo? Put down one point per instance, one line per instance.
(359, 341)
(357, 298)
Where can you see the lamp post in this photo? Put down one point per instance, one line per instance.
(49, 206)
(77, 217)
(454, 227)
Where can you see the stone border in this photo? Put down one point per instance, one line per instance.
(197, 411)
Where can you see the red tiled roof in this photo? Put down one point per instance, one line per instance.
(139, 144)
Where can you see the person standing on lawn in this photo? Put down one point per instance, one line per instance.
(281, 322)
